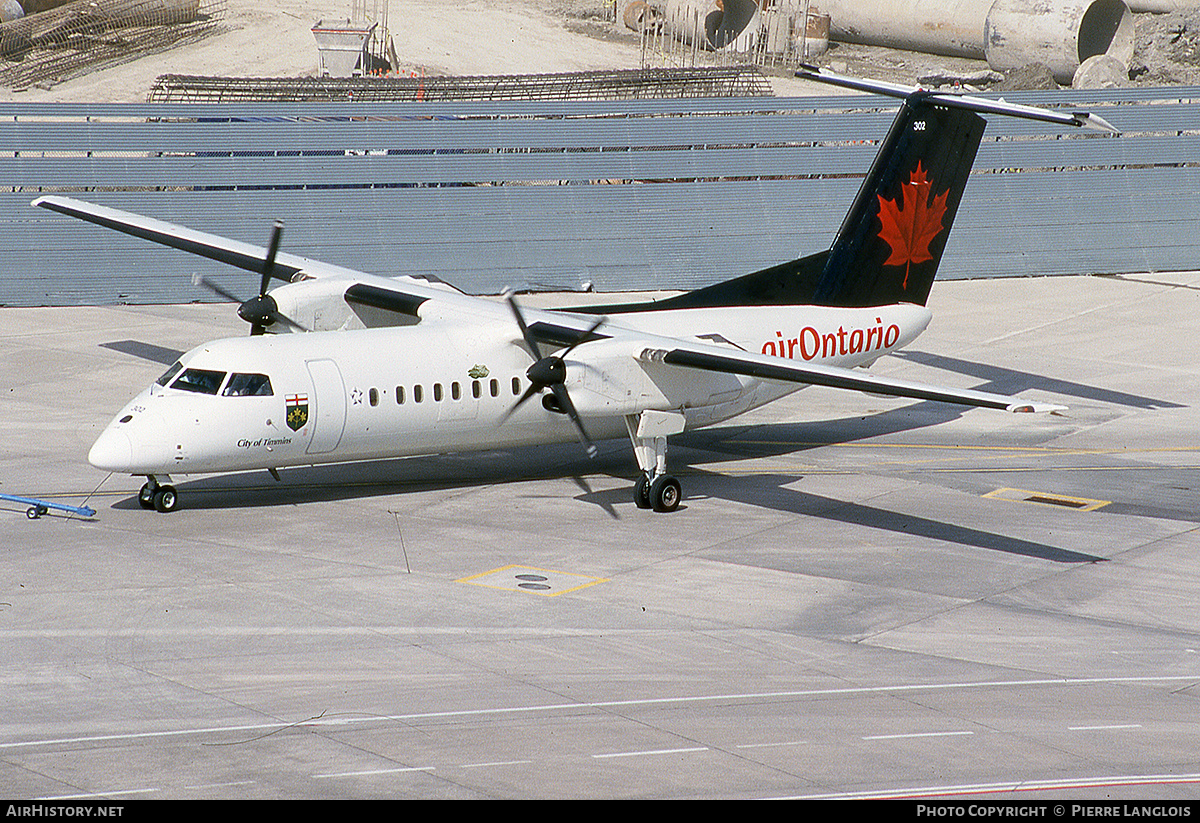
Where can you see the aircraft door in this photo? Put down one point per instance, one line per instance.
(330, 395)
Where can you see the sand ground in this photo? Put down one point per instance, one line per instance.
(274, 39)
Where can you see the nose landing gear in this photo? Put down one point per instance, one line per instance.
(160, 497)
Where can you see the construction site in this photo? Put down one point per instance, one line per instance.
(211, 50)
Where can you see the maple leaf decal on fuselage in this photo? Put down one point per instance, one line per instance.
(909, 227)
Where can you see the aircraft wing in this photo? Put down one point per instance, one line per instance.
(221, 249)
(764, 367)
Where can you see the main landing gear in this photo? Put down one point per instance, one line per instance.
(157, 496)
(661, 493)
(648, 431)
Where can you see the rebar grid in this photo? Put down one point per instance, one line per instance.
(721, 81)
(52, 46)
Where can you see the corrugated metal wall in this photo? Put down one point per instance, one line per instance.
(626, 195)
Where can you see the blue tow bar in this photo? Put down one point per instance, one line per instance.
(39, 507)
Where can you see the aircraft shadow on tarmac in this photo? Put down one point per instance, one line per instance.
(767, 490)
(144, 351)
(1011, 381)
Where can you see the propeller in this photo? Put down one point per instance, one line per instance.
(550, 372)
(260, 311)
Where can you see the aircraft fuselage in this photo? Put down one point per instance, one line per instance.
(440, 387)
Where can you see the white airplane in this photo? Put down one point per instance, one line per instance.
(362, 367)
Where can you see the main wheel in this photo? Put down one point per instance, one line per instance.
(146, 496)
(641, 492)
(665, 493)
(165, 499)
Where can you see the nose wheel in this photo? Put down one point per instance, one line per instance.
(160, 497)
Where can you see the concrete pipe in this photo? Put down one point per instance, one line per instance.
(816, 36)
(1161, 6)
(714, 24)
(1061, 35)
(786, 30)
(1007, 33)
(642, 17)
(1101, 71)
(950, 27)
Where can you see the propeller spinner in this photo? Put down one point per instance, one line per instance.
(260, 311)
(550, 372)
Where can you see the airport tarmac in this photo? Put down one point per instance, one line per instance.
(859, 597)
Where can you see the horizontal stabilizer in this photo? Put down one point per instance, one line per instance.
(980, 105)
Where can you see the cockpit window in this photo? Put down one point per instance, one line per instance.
(248, 385)
(202, 381)
(170, 374)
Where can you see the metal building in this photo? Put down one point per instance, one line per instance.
(554, 194)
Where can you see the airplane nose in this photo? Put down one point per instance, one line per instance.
(112, 452)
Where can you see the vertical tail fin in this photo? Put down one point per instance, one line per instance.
(891, 241)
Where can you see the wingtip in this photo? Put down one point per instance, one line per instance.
(1092, 121)
(1034, 408)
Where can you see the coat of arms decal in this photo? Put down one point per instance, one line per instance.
(297, 411)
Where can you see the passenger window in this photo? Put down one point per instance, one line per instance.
(437, 392)
(476, 390)
(201, 381)
(494, 386)
(455, 390)
(399, 395)
(418, 394)
(248, 385)
(516, 386)
(373, 394)
(170, 374)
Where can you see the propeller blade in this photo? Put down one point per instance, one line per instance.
(528, 338)
(533, 389)
(269, 262)
(280, 317)
(550, 373)
(564, 400)
(259, 312)
(586, 335)
(214, 287)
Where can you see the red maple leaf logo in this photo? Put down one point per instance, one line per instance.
(910, 228)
